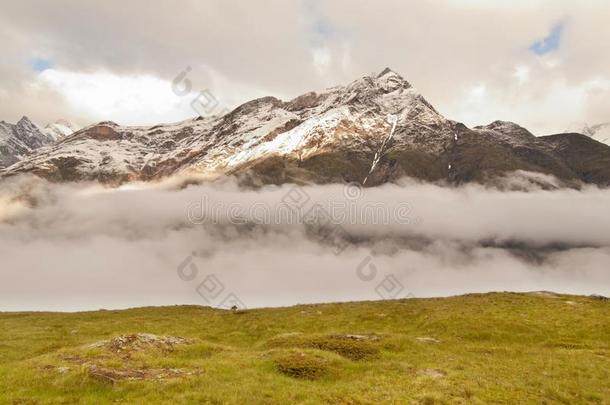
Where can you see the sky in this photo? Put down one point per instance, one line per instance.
(540, 63)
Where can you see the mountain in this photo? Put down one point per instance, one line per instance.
(60, 128)
(18, 140)
(21, 139)
(374, 130)
(599, 132)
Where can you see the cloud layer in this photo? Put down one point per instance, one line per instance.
(74, 247)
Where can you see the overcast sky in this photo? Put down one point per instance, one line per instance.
(543, 64)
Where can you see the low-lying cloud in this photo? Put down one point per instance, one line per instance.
(74, 247)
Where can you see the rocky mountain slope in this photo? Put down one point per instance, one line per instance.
(373, 130)
(21, 139)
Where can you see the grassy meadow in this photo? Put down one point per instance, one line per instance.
(505, 348)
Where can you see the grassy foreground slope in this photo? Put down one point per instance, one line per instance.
(481, 348)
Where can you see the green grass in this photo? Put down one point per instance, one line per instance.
(486, 348)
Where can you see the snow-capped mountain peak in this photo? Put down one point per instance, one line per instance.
(60, 129)
(388, 72)
(30, 134)
(391, 80)
(24, 124)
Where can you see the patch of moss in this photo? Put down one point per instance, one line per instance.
(347, 346)
(307, 365)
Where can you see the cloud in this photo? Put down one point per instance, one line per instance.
(70, 247)
(129, 100)
(443, 47)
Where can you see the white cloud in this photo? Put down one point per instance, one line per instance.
(442, 47)
(522, 74)
(542, 107)
(128, 100)
(321, 59)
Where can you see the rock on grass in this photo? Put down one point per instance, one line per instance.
(127, 344)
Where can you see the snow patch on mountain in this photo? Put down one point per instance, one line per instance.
(393, 120)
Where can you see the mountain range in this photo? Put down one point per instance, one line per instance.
(374, 130)
(21, 139)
